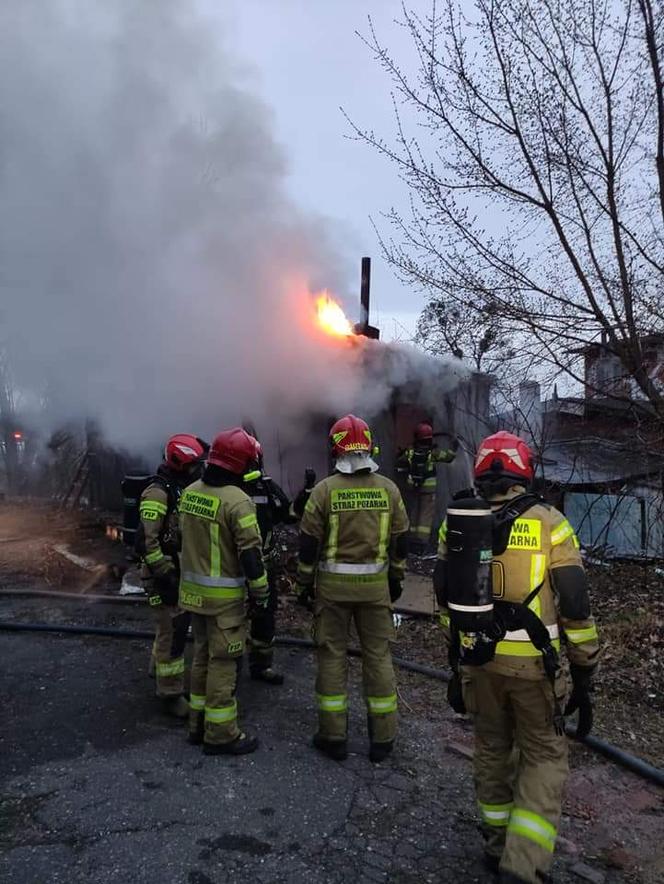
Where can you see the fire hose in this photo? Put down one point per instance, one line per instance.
(625, 759)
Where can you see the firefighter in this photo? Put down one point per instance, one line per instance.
(510, 680)
(417, 465)
(157, 544)
(221, 556)
(352, 555)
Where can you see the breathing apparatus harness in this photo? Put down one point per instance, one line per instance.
(478, 621)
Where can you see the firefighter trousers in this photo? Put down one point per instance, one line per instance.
(520, 768)
(263, 625)
(171, 626)
(218, 647)
(375, 630)
(421, 512)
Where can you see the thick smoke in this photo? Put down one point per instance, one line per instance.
(154, 272)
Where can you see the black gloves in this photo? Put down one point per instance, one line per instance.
(167, 588)
(580, 699)
(396, 588)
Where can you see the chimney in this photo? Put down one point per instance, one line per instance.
(363, 327)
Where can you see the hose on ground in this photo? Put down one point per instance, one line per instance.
(625, 759)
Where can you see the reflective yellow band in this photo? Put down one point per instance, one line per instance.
(328, 577)
(537, 574)
(561, 533)
(332, 702)
(215, 550)
(421, 529)
(212, 592)
(197, 702)
(153, 557)
(522, 649)
(442, 533)
(383, 536)
(333, 538)
(533, 827)
(578, 636)
(259, 582)
(444, 619)
(221, 714)
(248, 521)
(173, 667)
(305, 569)
(382, 705)
(496, 814)
(152, 506)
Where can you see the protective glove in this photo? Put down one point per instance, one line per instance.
(305, 596)
(396, 588)
(167, 588)
(580, 699)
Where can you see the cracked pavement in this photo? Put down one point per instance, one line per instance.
(97, 786)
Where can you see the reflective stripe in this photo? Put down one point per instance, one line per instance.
(333, 538)
(399, 564)
(522, 648)
(259, 582)
(534, 827)
(429, 483)
(421, 529)
(382, 705)
(248, 521)
(332, 702)
(537, 573)
(215, 550)
(471, 608)
(305, 569)
(205, 580)
(153, 557)
(561, 533)
(153, 506)
(496, 814)
(442, 531)
(197, 702)
(221, 714)
(258, 499)
(521, 635)
(173, 667)
(383, 536)
(350, 568)
(209, 592)
(444, 620)
(577, 636)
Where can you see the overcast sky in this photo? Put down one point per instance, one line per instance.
(305, 59)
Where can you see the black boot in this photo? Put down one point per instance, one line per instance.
(241, 745)
(335, 749)
(379, 751)
(510, 878)
(268, 675)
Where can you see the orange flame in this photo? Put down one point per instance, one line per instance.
(331, 316)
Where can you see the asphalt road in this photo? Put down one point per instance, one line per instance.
(97, 787)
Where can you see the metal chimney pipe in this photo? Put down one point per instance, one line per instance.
(365, 294)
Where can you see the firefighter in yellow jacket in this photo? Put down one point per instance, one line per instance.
(221, 557)
(158, 543)
(510, 680)
(352, 559)
(418, 467)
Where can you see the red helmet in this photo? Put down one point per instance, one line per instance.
(234, 450)
(423, 432)
(350, 435)
(182, 450)
(504, 455)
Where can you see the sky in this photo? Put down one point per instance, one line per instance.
(308, 61)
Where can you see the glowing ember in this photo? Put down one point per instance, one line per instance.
(331, 317)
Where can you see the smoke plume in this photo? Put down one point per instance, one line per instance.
(155, 273)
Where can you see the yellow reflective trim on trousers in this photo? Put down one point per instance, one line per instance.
(522, 649)
(248, 521)
(577, 636)
(382, 705)
(421, 529)
(259, 582)
(215, 550)
(221, 714)
(197, 702)
(442, 531)
(561, 532)
(153, 557)
(534, 827)
(173, 667)
(383, 536)
(332, 702)
(212, 592)
(152, 506)
(497, 815)
(333, 538)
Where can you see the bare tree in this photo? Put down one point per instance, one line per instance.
(537, 171)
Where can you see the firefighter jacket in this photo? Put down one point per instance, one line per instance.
(221, 549)
(542, 551)
(418, 466)
(272, 508)
(353, 538)
(159, 525)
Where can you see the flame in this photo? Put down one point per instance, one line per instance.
(331, 316)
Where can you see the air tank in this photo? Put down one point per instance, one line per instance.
(469, 556)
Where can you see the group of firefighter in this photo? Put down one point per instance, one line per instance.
(509, 582)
